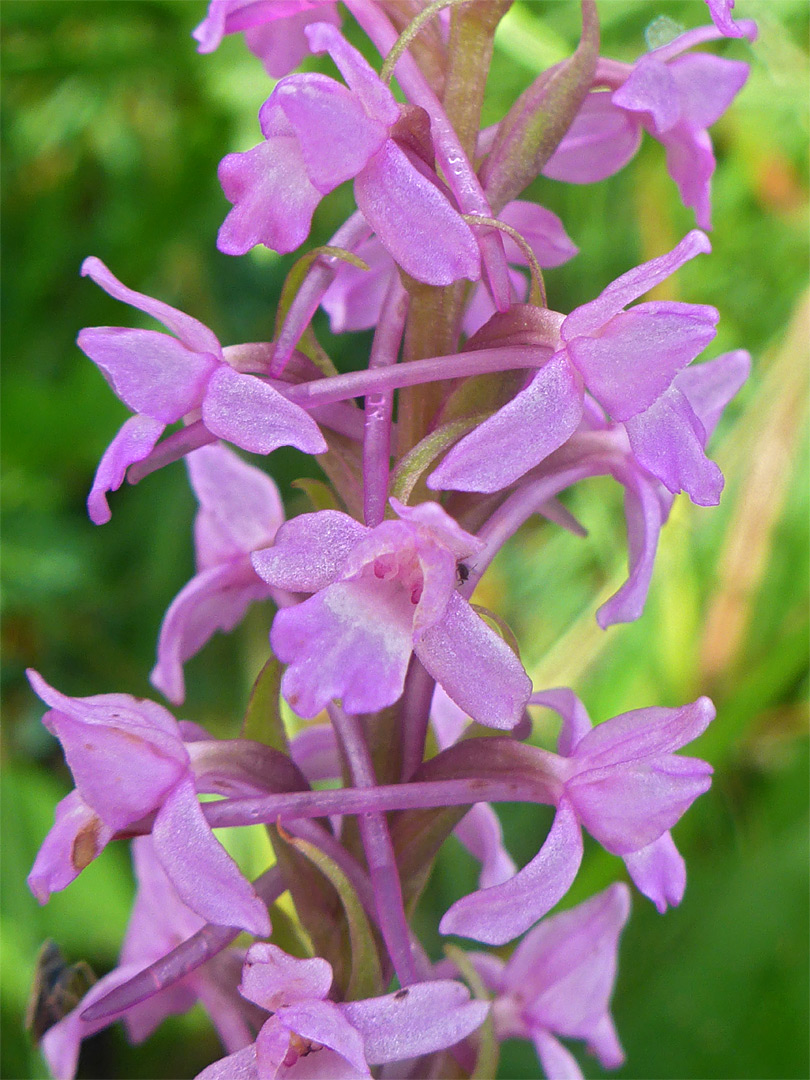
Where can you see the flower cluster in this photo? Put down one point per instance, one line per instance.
(479, 405)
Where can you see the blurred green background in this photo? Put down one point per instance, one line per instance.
(112, 130)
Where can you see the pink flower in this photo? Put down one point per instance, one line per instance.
(164, 378)
(129, 760)
(381, 594)
(240, 511)
(338, 1041)
(274, 29)
(320, 133)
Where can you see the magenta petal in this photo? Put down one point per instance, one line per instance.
(134, 442)
(659, 872)
(667, 439)
(239, 1066)
(628, 807)
(428, 1016)
(281, 45)
(651, 88)
(205, 876)
(576, 723)
(691, 164)
(310, 551)
(239, 503)
(352, 641)
(194, 335)
(150, 372)
(636, 355)
(710, 386)
(216, 599)
(125, 754)
(272, 196)
(414, 220)
(354, 299)
(480, 832)
(503, 912)
(77, 836)
(250, 413)
(644, 515)
(543, 231)
(323, 1022)
(475, 666)
(601, 140)
(720, 11)
(558, 1062)
(362, 79)
(645, 733)
(706, 86)
(594, 315)
(334, 132)
(273, 978)
(532, 425)
(314, 750)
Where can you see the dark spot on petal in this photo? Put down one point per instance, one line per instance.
(86, 845)
(400, 994)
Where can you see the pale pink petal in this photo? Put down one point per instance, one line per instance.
(314, 750)
(634, 357)
(720, 11)
(272, 196)
(77, 836)
(323, 1022)
(134, 442)
(243, 502)
(216, 599)
(691, 164)
(354, 299)
(576, 723)
(644, 733)
(543, 231)
(334, 132)
(205, 876)
(706, 85)
(194, 335)
(362, 79)
(250, 413)
(558, 1062)
(668, 439)
(481, 834)
(310, 551)
(352, 641)
(282, 45)
(273, 978)
(659, 872)
(422, 1018)
(503, 912)
(601, 140)
(651, 88)
(152, 373)
(475, 666)
(594, 315)
(533, 424)
(710, 386)
(415, 221)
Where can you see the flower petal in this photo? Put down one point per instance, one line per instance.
(273, 978)
(503, 912)
(659, 872)
(323, 1022)
(239, 1066)
(134, 442)
(273, 199)
(194, 335)
(519, 436)
(600, 141)
(592, 316)
(420, 1019)
(309, 551)
(475, 666)
(77, 836)
(481, 834)
(415, 221)
(352, 641)
(205, 876)
(709, 387)
(668, 439)
(250, 413)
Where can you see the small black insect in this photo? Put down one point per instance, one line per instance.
(57, 989)
(400, 994)
(463, 572)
